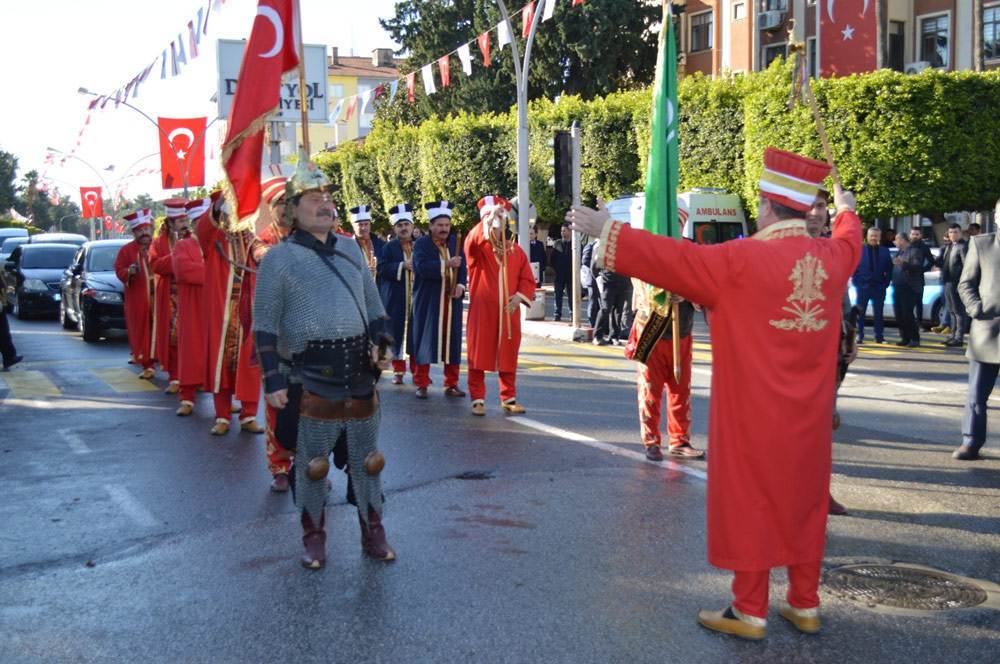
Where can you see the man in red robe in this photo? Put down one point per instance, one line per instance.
(227, 300)
(500, 279)
(188, 267)
(133, 270)
(775, 302)
(165, 306)
(279, 459)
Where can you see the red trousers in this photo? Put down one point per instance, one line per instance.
(187, 392)
(750, 589)
(172, 363)
(422, 375)
(224, 406)
(399, 366)
(657, 372)
(279, 460)
(477, 385)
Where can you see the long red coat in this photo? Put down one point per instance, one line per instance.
(775, 303)
(164, 305)
(188, 267)
(487, 328)
(221, 250)
(138, 300)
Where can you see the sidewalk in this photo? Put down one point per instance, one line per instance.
(563, 330)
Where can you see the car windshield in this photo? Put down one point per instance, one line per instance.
(48, 257)
(101, 258)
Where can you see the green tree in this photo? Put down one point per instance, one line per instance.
(589, 50)
(8, 179)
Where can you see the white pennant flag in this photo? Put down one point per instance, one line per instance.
(180, 51)
(550, 9)
(336, 112)
(428, 76)
(503, 34)
(366, 101)
(466, 57)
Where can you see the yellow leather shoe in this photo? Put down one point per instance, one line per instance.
(173, 388)
(147, 374)
(249, 425)
(478, 408)
(186, 409)
(805, 620)
(221, 427)
(728, 622)
(512, 407)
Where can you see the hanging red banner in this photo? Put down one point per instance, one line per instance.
(182, 152)
(90, 201)
(846, 37)
(484, 47)
(444, 64)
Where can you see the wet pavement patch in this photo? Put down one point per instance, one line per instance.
(903, 587)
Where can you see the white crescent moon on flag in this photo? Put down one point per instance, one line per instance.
(279, 30)
(670, 121)
(181, 131)
(829, 10)
(90, 197)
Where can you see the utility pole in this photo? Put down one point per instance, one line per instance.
(521, 79)
(580, 332)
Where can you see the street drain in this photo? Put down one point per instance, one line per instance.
(902, 587)
(474, 475)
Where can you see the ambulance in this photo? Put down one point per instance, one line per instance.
(707, 215)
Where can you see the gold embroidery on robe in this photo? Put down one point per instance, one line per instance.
(807, 277)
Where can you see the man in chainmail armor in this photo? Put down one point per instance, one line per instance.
(319, 327)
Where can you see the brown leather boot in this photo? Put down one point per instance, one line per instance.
(314, 540)
(373, 540)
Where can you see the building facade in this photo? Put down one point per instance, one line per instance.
(718, 36)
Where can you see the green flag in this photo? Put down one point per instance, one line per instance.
(662, 171)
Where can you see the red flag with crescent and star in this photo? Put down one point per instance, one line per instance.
(847, 37)
(90, 201)
(270, 53)
(182, 151)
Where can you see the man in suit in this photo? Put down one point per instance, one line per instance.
(871, 278)
(536, 254)
(927, 262)
(979, 288)
(588, 281)
(562, 261)
(907, 282)
(951, 262)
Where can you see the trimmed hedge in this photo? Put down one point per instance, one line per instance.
(925, 144)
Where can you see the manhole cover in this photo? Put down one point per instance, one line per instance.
(903, 588)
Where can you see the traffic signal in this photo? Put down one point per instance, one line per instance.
(562, 165)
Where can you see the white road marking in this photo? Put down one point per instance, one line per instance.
(910, 386)
(701, 372)
(75, 442)
(607, 447)
(127, 502)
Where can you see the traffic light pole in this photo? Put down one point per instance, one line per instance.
(577, 295)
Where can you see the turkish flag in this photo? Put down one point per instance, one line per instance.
(526, 16)
(107, 223)
(90, 201)
(270, 53)
(182, 150)
(847, 37)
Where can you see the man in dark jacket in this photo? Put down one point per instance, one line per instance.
(951, 262)
(562, 262)
(907, 283)
(588, 281)
(927, 262)
(536, 254)
(872, 277)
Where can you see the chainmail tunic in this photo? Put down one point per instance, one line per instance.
(299, 299)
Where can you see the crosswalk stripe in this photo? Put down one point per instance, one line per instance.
(124, 381)
(30, 384)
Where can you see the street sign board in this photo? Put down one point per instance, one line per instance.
(230, 56)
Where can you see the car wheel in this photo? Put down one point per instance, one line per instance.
(89, 330)
(18, 309)
(64, 320)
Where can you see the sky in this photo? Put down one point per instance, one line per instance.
(51, 48)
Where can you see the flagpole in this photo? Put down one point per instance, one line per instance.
(303, 105)
(675, 308)
(798, 50)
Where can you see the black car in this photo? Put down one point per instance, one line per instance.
(91, 292)
(31, 278)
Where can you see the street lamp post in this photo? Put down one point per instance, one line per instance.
(67, 216)
(521, 79)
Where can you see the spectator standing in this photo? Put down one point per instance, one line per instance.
(871, 278)
(927, 258)
(907, 281)
(588, 281)
(951, 262)
(536, 255)
(562, 262)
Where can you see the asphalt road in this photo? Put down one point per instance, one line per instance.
(132, 535)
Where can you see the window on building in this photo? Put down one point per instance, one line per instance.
(772, 53)
(739, 11)
(991, 32)
(774, 5)
(896, 45)
(701, 31)
(934, 40)
(811, 57)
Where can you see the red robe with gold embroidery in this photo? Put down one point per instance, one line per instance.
(227, 298)
(493, 337)
(188, 266)
(165, 303)
(138, 300)
(775, 303)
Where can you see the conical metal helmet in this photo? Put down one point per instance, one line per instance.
(307, 177)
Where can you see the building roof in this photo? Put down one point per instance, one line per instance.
(361, 67)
